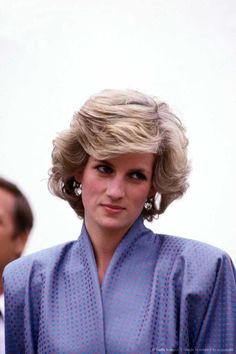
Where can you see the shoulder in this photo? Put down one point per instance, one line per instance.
(198, 266)
(194, 258)
(36, 264)
(176, 247)
(186, 247)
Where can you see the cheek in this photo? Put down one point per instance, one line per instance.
(91, 186)
(90, 190)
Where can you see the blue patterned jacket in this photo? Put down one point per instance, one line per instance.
(160, 294)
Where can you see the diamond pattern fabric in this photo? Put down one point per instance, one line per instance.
(160, 294)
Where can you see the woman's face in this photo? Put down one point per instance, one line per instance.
(114, 191)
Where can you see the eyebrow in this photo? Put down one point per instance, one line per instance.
(135, 169)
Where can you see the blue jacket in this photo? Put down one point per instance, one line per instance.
(160, 294)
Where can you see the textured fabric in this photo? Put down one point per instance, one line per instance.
(160, 294)
(2, 329)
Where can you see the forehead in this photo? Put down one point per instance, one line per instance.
(7, 202)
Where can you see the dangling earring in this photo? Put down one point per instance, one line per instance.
(78, 189)
(148, 204)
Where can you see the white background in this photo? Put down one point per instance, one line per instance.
(54, 54)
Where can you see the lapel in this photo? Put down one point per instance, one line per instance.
(80, 316)
(126, 292)
(71, 311)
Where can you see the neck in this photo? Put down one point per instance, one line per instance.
(103, 258)
(104, 245)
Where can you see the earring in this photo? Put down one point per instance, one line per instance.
(148, 205)
(78, 189)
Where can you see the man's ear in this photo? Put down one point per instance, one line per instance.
(20, 242)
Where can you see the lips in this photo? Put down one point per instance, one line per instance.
(113, 208)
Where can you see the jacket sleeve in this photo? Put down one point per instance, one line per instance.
(218, 328)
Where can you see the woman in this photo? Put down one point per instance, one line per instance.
(120, 288)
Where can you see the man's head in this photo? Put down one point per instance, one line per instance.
(16, 221)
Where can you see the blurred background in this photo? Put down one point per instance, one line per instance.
(55, 54)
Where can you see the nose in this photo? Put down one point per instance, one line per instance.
(116, 188)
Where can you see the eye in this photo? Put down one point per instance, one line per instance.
(106, 169)
(138, 176)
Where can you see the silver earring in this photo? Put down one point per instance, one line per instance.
(78, 190)
(148, 205)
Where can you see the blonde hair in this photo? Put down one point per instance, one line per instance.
(115, 122)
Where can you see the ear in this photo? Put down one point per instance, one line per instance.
(152, 191)
(78, 177)
(20, 242)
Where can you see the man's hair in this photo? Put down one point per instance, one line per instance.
(115, 122)
(22, 213)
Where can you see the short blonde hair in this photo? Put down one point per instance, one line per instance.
(115, 122)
